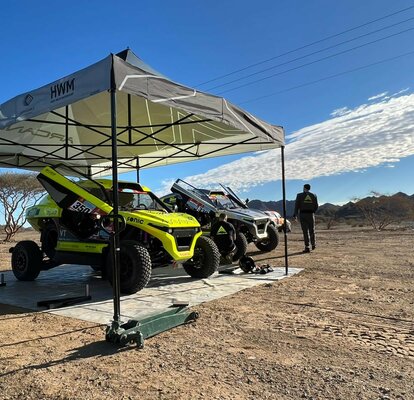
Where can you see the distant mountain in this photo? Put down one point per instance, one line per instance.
(273, 206)
(328, 209)
(399, 204)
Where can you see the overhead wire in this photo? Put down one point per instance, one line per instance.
(326, 78)
(315, 61)
(309, 54)
(305, 46)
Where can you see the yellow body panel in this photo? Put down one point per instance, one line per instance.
(81, 247)
(158, 224)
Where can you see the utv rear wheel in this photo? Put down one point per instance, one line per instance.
(26, 260)
(241, 246)
(205, 261)
(272, 240)
(135, 267)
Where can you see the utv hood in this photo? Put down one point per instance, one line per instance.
(248, 213)
(170, 220)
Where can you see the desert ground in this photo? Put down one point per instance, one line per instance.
(341, 329)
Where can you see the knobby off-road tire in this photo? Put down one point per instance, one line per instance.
(206, 259)
(241, 246)
(26, 260)
(272, 240)
(135, 267)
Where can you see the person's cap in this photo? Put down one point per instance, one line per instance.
(307, 186)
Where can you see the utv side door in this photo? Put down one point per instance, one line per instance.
(80, 207)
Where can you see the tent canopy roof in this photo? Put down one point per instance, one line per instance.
(159, 122)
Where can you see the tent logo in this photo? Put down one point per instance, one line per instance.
(28, 99)
(62, 90)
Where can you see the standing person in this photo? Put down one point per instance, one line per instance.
(306, 205)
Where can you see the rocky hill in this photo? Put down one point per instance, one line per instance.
(399, 205)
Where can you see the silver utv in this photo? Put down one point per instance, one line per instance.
(206, 205)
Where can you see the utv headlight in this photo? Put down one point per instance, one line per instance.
(162, 228)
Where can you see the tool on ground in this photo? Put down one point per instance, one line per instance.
(228, 271)
(65, 301)
(135, 331)
(262, 269)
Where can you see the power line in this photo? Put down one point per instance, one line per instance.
(314, 62)
(327, 78)
(309, 54)
(305, 46)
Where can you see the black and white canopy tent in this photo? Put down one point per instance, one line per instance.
(120, 115)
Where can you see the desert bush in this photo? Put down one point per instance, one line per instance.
(380, 211)
(17, 192)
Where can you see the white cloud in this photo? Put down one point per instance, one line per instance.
(370, 135)
(400, 92)
(340, 111)
(377, 96)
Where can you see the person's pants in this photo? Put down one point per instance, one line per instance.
(307, 222)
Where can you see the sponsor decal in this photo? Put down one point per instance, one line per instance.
(136, 220)
(33, 212)
(62, 90)
(27, 100)
(39, 132)
(65, 235)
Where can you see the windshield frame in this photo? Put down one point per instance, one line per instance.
(215, 197)
(138, 189)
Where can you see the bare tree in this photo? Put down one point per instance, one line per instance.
(17, 192)
(379, 210)
(331, 221)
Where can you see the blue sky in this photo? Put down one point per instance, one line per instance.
(349, 132)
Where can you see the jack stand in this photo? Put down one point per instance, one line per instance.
(138, 331)
(2, 281)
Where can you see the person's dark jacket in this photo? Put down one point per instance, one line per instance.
(223, 234)
(306, 203)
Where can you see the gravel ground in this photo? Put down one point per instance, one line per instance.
(341, 329)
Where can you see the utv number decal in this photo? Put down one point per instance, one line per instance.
(80, 207)
(136, 220)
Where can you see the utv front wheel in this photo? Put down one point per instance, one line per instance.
(205, 261)
(272, 240)
(135, 267)
(26, 260)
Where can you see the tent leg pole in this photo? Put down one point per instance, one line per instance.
(138, 167)
(282, 150)
(115, 246)
(66, 132)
